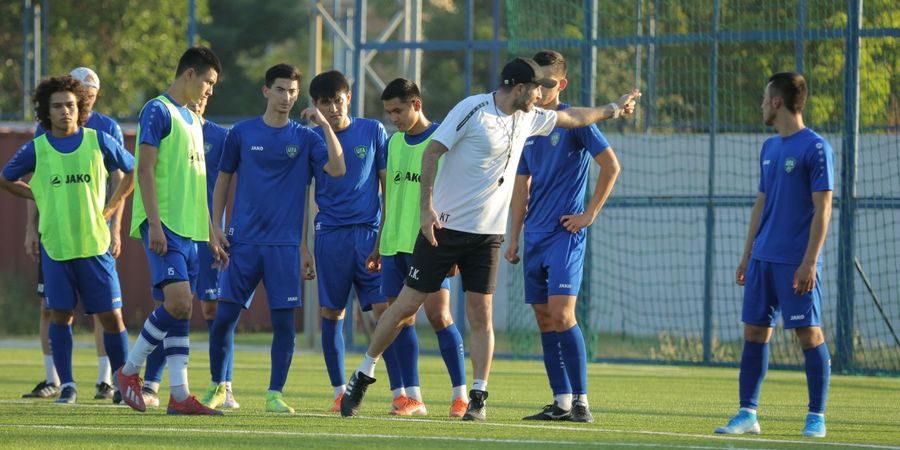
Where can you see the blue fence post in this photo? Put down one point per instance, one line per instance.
(801, 30)
(708, 272)
(588, 54)
(192, 23)
(359, 73)
(845, 320)
(470, 37)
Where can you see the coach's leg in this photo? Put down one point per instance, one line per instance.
(479, 311)
(392, 362)
(389, 325)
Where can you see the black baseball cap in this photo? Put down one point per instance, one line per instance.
(525, 70)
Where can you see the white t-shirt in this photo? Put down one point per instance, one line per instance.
(468, 195)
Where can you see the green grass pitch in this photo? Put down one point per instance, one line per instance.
(636, 406)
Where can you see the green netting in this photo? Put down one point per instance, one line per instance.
(659, 275)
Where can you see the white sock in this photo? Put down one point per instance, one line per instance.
(50, 371)
(751, 411)
(414, 392)
(178, 376)
(228, 386)
(104, 372)
(816, 414)
(368, 365)
(138, 354)
(339, 390)
(72, 384)
(152, 385)
(564, 401)
(459, 392)
(479, 385)
(398, 392)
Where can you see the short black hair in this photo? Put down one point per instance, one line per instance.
(328, 85)
(50, 86)
(553, 59)
(282, 71)
(200, 59)
(791, 86)
(403, 89)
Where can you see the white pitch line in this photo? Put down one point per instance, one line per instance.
(574, 428)
(405, 437)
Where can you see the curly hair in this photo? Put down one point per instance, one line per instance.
(53, 85)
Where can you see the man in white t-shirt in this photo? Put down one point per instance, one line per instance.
(483, 137)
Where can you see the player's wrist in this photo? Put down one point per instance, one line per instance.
(614, 110)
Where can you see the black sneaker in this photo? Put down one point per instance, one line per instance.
(104, 391)
(67, 395)
(43, 390)
(356, 390)
(117, 398)
(581, 412)
(550, 412)
(475, 411)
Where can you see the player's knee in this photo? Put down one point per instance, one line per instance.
(758, 334)
(332, 314)
(179, 310)
(111, 321)
(810, 337)
(439, 319)
(61, 316)
(209, 310)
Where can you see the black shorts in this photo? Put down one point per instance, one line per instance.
(477, 255)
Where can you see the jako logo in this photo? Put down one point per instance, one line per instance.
(798, 317)
(56, 180)
(399, 176)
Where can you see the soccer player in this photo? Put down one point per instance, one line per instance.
(98, 122)
(781, 260)
(482, 138)
(170, 216)
(551, 181)
(207, 288)
(274, 158)
(346, 226)
(70, 166)
(403, 104)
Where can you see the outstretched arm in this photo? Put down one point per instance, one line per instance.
(576, 117)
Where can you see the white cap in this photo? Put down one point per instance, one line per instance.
(86, 76)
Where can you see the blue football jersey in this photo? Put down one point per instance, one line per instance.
(353, 198)
(274, 167)
(791, 169)
(558, 165)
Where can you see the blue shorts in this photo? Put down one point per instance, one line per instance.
(277, 266)
(207, 287)
(394, 269)
(553, 264)
(769, 292)
(341, 254)
(178, 264)
(94, 280)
